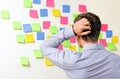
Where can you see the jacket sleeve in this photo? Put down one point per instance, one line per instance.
(61, 58)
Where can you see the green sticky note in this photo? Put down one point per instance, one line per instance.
(20, 38)
(100, 35)
(111, 46)
(53, 29)
(28, 3)
(24, 61)
(79, 49)
(66, 43)
(38, 54)
(36, 27)
(5, 14)
(74, 16)
(17, 25)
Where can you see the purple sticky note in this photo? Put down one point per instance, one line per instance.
(104, 27)
(64, 20)
(50, 3)
(46, 24)
(60, 47)
(33, 13)
(103, 42)
(82, 8)
(73, 39)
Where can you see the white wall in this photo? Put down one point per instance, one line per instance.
(11, 51)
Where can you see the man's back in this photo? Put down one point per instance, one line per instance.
(95, 62)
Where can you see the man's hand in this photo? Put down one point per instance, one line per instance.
(81, 26)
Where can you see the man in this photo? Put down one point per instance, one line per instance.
(94, 62)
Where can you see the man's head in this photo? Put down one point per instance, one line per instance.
(95, 25)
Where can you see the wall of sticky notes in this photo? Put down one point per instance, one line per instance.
(25, 24)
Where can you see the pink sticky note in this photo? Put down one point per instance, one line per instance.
(33, 13)
(64, 20)
(73, 39)
(60, 47)
(104, 27)
(82, 8)
(50, 3)
(46, 24)
(103, 42)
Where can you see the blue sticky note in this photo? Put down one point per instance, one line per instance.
(40, 35)
(62, 29)
(66, 8)
(36, 1)
(27, 28)
(43, 12)
(109, 33)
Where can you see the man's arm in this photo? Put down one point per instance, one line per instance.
(59, 57)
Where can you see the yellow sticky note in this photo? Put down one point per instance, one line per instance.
(48, 62)
(115, 39)
(56, 12)
(72, 47)
(48, 36)
(29, 38)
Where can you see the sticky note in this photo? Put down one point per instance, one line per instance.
(48, 37)
(33, 13)
(40, 35)
(17, 25)
(111, 46)
(75, 15)
(50, 3)
(44, 12)
(5, 14)
(103, 42)
(63, 20)
(48, 62)
(29, 38)
(73, 39)
(56, 12)
(115, 39)
(72, 47)
(66, 43)
(27, 3)
(62, 29)
(60, 47)
(38, 54)
(46, 24)
(79, 49)
(36, 1)
(53, 29)
(36, 27)
(104, 27)
(27, 28)
(100, 35)
(24, 61)
(109, 33)
(82, 8)
(20, 38)
(66, 8)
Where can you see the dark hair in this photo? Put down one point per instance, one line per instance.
(95, 25)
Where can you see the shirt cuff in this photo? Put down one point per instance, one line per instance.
(68, 32)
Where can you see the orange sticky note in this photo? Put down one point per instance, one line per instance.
(115, 39)
(48, 62)
(56, 12)
(29, 38)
